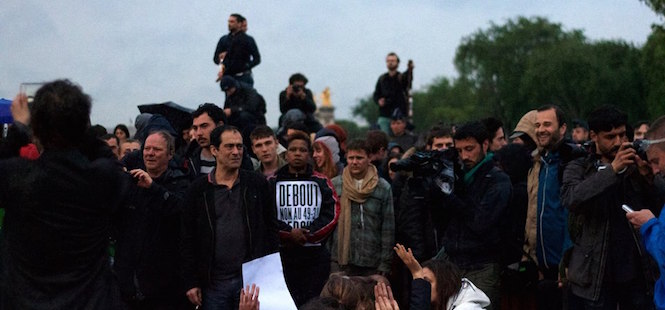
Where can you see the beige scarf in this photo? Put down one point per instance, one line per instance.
(351, 193)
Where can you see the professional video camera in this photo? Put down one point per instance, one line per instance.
(439, 166)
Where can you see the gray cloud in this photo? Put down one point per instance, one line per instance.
(126, 53)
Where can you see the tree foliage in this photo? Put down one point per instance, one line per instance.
(653, 66)
(657, 5)
(496, 59)
(367, 110)
(508, 69)
(444, 102)
(353, 131)
(580, 77)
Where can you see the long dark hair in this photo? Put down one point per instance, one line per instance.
(448, 280)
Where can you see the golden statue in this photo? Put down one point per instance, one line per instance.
(325, 98)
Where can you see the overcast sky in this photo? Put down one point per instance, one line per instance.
(126, 53)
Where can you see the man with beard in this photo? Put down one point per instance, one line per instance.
(608, 263)
(477, 207)
(391, 91)
(547, 220)
(497, 136)
(237, 52)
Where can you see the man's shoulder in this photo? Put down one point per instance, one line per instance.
(252, 178)
(200, 182)
(383, 184)
(569, 151)
(499, 175)
(383, 76)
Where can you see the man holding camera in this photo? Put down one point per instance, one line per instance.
(608, 264)
(297, 96)
(477, 206)
(147, 256)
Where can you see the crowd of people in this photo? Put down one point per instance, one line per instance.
(466, 216)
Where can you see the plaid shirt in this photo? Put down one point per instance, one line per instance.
(372, 228)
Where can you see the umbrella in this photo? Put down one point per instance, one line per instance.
(5, 112)
(180, 117)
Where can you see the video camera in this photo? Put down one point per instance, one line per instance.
(438, 166)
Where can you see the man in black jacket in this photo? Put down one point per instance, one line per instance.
(476, 207)
(237, 52)
(391, 91)
(147, 256)
(608, 264)
(229, 218)
(244, 107)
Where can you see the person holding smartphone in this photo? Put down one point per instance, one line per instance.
(651, 228)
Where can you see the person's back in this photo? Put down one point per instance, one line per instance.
(58, 208)
(58, 211)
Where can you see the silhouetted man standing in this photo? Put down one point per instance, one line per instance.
(58, 208)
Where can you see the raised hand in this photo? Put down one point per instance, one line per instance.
(249, 298)
(383, 297)
(407, 257)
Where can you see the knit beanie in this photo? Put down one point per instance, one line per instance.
(332, 145)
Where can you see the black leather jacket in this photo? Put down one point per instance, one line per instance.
(199, 220)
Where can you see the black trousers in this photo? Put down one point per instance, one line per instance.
(306, 270)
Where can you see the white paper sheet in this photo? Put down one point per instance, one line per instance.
(266, 272)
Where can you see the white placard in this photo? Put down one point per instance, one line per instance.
(266, 272)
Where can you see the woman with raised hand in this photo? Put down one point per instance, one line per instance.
(437, 284)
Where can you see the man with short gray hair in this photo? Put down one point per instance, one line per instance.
(147, 256)
(651, 228)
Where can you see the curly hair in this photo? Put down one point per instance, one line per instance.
(60, 114)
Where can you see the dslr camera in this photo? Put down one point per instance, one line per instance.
(640, 146)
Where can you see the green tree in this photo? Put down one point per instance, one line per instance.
(444, 102)
(657, 5)
(353, 131)
(653, 66)
(366, 110)
(495, 60)
(579, 77)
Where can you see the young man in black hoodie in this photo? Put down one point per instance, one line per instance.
(308, 209)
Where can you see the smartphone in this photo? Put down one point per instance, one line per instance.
(627, 208)
(29, 90)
